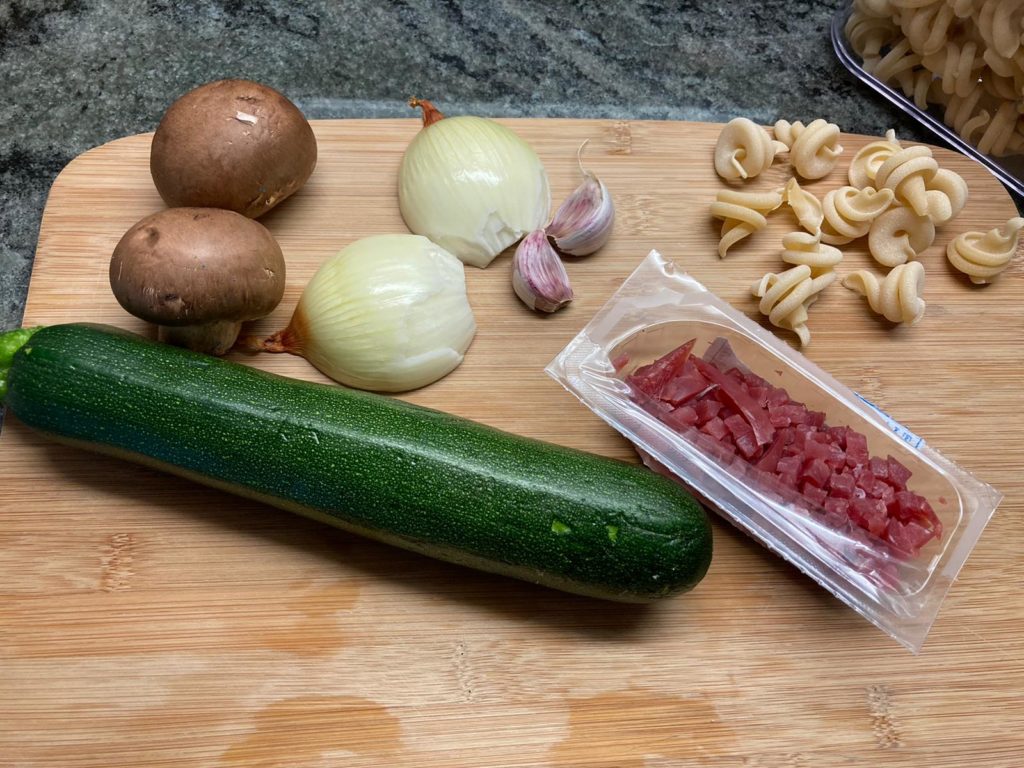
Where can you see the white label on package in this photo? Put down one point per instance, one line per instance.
(895, 427)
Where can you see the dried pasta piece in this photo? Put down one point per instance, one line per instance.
(899, 235)
(964, 8)
(807, 249)
(999, 86)
(982, 256)
(957, 66)
(786, 296)
(899, 59)
(813, 149)
(947, 195)
(868, 159)
(869, 34)
(744, 150)
(999, 132)
(927, 26)
(907, 174)
(806, 207)
(881, 8)
(967, 55)
(786, 132)
(742, 214)
(918, 84)
(963, 115)
(1001, 65)
(849, 212)
(999, 23)
(897, 296)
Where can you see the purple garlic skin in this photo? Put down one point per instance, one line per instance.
(538, 275)
(584, 222)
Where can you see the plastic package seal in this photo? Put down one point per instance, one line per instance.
(659, 308)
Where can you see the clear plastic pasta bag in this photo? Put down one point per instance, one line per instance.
(899, 589)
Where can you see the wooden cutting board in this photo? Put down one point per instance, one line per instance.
(148, 621)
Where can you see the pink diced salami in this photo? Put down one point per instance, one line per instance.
(715, 427)
(898, 474)
(842, 485)
(816, 472)
(707, 408)
(746, 422)
(813, 493)
(681, 418)
(879, 468)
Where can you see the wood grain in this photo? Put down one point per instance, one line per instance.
(146, 621)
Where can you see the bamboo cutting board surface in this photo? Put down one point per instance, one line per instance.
(148, 621)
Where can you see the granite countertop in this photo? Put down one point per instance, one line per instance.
(78, 73)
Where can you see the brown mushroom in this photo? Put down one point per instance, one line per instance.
(198, 273)
(232, 144)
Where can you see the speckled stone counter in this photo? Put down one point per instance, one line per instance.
(77, 73)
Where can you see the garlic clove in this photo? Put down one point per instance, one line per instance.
(538, 275)
(584, 222)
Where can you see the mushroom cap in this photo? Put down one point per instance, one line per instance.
(189, 266)
(232, 144)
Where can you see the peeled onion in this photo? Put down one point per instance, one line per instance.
(388, 313)
(471, 185)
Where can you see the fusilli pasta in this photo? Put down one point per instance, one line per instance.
(983, 256)
(806, 207)
(849, 212)
(786, 296)
(813, 149)
(897, 296)
(742, 214)
(967, 55)
(899, 235)
(744, 150)
(805, 248)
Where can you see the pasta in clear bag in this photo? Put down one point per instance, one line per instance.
(655, 315)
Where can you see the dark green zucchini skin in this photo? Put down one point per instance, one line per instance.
(424, 480)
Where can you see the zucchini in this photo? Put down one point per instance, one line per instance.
(406, 475)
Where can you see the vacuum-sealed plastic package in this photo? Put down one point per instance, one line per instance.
(781, 449)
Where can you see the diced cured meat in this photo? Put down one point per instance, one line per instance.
(651, 378)
(684, 387)
(742, 435)
(837, 506)
(682, 417)
(770, 460)
(865, 480)
(842, 485)
(789, 465)
(749, 424)
(838, 435)
(795, 412)
(813, 493)
(815, 418)
(879, 468)
(715, 427)
(745, 404)
(816, 472)
(898, 474)
(909, 538)
(707, 408)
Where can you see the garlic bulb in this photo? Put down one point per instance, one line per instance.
(538, 275)
(387, 313)
(471, 185)
(584, 222)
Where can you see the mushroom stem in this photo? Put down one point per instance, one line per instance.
(214, 338)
